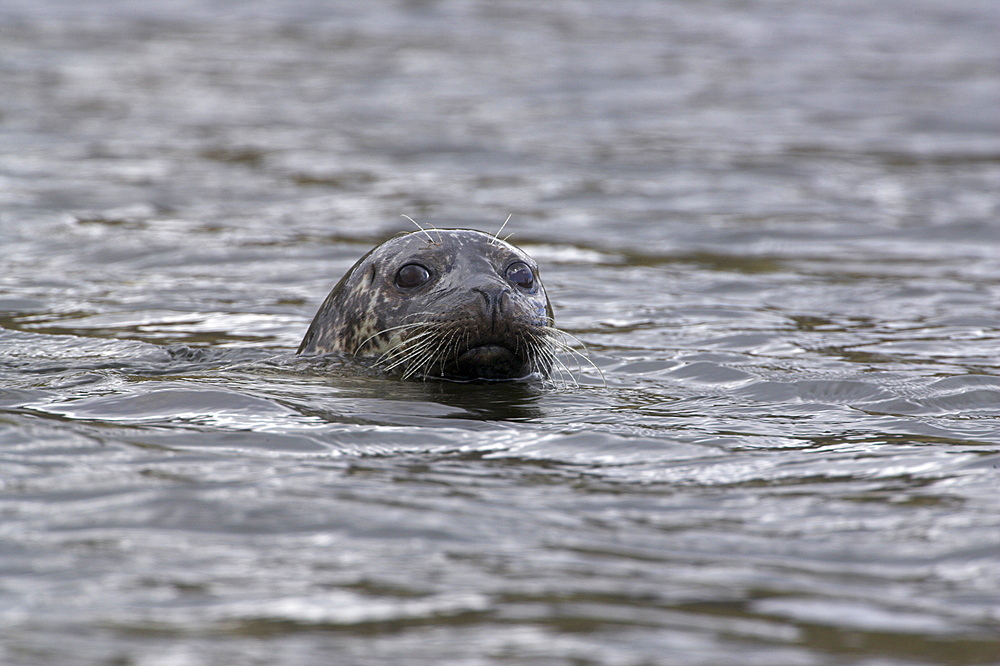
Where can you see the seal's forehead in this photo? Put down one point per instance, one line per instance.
(447, 241)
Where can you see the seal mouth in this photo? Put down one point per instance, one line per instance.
(489, 361)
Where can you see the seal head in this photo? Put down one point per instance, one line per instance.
(444, 303)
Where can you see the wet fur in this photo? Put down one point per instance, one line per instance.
(424, 332)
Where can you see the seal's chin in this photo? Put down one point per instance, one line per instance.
(489, 361)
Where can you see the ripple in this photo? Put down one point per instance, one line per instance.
(822, 391)
(711, 373)
(860, 616)
(333, 610)
(778, 237)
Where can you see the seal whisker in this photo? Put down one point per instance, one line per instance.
(405, 349)
(402, 355)
(407, 364)
(424, 362)
(408, 352)
(407, 343)
(555, 344)
(454, 343)
(416, 356)
(560, 346)
(539, 358)
(558, 361)
(558, 370)
(424, 230)
(536, 350)
(496, 236)
(544, 358)
(421, 362)
(557, 364)
(383, 331)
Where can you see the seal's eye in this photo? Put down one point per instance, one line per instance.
(520, 274)
(412, 275)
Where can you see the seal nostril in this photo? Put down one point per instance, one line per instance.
(493, 299)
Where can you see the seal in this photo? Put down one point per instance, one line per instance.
(454, 304)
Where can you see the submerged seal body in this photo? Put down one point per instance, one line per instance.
(447, 303)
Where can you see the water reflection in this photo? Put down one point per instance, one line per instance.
(350, 391)
(493, 401)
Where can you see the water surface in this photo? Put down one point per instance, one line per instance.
(774, 226)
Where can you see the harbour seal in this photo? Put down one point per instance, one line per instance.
(454, 304)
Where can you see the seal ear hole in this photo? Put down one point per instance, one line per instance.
(520, 274)
(412, 276)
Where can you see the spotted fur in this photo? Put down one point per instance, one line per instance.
(468, 321)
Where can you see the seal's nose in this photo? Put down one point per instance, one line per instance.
(494, 300)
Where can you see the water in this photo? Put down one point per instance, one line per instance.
(774, 225)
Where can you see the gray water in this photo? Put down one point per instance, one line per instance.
(774, 225)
